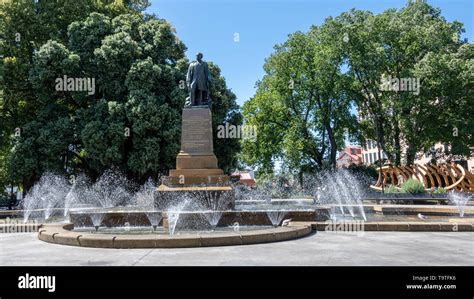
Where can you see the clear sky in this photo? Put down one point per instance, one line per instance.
(211, 26)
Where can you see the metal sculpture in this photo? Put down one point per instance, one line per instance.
(449, 176)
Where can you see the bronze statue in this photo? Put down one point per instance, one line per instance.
(198, 80)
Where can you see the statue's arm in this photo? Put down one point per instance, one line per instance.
(189, 75)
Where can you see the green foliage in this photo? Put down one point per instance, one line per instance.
(4, 200)
(391, 189)
(303, 126)
(300, 108)
(413, 186)
(224, 110)
(412, 42)
(440, 190)
(133, 120)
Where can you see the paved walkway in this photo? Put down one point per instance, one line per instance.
(321, 249)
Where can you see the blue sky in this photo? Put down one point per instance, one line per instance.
(210, 26)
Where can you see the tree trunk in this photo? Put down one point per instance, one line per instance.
(398, 150)
(380, 136)
(300, 176)
(333, 150)
(410, 154)
(27, 183)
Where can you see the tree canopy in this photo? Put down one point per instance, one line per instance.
(316, 82)
(402, 44)
(301, 109)
(130, 120)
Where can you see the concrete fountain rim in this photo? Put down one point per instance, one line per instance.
(63, 234)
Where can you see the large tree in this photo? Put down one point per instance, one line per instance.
(302, 104)
(397, 44)
(25, 26)
(131, 122)
(224, 111)
(448, 88)
(300, 109)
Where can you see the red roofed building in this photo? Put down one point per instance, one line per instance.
(351, 155)
(244, 178)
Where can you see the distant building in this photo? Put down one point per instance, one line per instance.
(352, 155)
(370, 153)
(246, 178)
(15, 191)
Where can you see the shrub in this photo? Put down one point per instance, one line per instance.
(440, 190)
(4, 201)
(391, 189)
(413, 186)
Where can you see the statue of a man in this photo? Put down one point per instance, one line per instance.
(198, 80)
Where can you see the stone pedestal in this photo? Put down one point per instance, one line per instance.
(196, 165)
(197, 150)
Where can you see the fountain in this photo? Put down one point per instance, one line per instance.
(73, 196)
(154, 218)
(338, 188)
(276, 217)
(45, 196)
(460, 200)
(109, 191)
(119, 212)
(213, 217)
(96, 219)
(193, 197)
(173, 217)
(145, 196)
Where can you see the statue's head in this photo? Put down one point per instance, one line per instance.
(199, 56)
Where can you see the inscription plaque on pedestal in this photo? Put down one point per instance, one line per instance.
(197, 150)
(196, 134)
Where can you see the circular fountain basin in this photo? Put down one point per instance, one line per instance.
(136, 218)
(65, 235)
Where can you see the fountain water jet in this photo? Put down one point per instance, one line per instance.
(276, 217)
(173, 217)
(154, 218)
(460, 200)
(338, 188)
(46, 195)
(173, 213)
(96, 219)
(145, 196)
(213, 217)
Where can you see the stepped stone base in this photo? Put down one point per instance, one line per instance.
(193, 177)
(197, 174)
